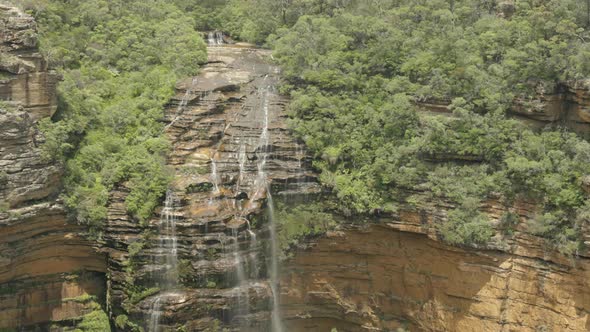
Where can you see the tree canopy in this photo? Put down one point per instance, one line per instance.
(120, 61)
(359, 71)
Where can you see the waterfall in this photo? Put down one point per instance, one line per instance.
(215, 38)
(219, 38)
(155, 314)
(277, 325)
(211, 39)
(168, 250)
(240, 275)
(241, 164)
(183, 102)
(263, 148)
(169, 241)
(214, 176)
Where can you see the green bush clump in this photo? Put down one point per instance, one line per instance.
(95, 321)
(295, 223)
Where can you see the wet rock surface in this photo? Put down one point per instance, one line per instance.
(230, 146)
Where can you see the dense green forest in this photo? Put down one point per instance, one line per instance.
(357, 72)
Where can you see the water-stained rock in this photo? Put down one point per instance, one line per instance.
(230, 144)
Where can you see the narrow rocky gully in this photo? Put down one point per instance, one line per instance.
(212, 254)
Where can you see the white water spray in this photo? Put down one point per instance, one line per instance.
(262, 184)
(168, 250)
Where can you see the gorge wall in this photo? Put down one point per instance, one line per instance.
(46, 265)
(232, 159)
(230, 147)
(396, 274)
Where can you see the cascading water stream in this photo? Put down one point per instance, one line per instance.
(262, 184)
(155, 314)
(214, 176)
(242, 165)
(219, 38)
(167, 252)
(240, 276)
(277, 325)
(183, 102)
(215, 38)
(211, 39)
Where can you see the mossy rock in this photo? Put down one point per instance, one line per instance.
(199, 187)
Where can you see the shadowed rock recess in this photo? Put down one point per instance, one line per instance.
(207, 260)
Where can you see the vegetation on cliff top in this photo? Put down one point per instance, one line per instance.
(120, 61)
(357, 72)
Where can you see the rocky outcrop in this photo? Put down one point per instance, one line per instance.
(24, 78)
(230, 146)
(45, 263)
(395, 273)
(567, 104)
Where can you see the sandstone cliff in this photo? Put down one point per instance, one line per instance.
(230, 146)
(394, 273)
(45, 264)
(230, 140)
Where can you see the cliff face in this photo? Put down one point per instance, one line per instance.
(230, 146)
(395, 273)
(42, 257)
(568, 105)
(230, 149)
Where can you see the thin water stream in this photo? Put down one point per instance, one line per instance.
(167, 256)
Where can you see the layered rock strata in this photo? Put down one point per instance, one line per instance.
(230, 147)
(45, 263)
(396, 274)
(566, 105)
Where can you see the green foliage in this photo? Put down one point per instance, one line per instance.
(4, 206)
(297, 223)
(135, 248)
(185, 269)
(358, 73)
(95, 321)
(84, 298)
(466, 225)
(121, 321)
(136, 297)
(119, 61)
(3, 179)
